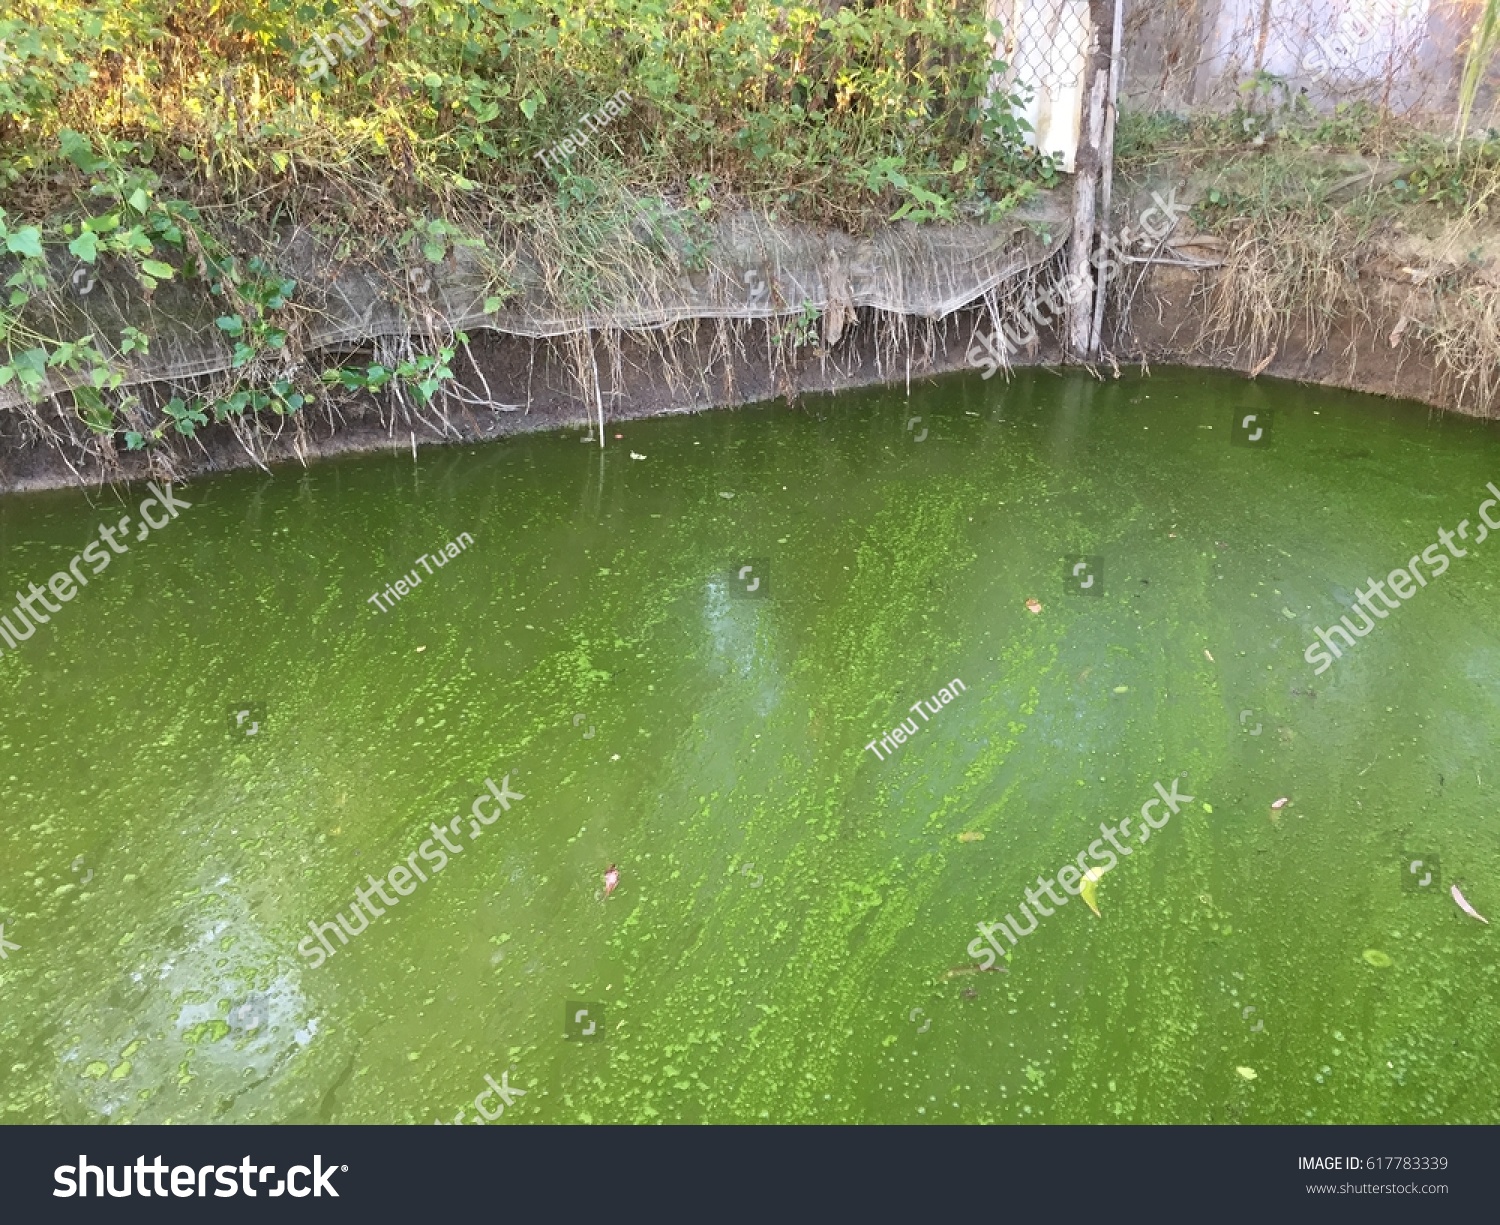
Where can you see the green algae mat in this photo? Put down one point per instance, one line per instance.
(311, 789)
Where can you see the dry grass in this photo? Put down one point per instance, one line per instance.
(1285, 275)
(1463, 335)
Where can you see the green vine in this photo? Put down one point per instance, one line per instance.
(157, 240)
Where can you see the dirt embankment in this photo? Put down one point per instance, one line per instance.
(1403, 305)
(1332, 269)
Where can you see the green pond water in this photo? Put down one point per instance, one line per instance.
(790, 903)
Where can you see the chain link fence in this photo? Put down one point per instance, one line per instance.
(1045, 40)
(1045, 46)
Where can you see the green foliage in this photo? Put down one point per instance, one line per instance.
(421, 376)
(1351, 126)
(1454, 178)
(147, 137)
(258, 291)
(131, 225)
(435, 237)
(1443, 185)
(803, 330)
(40, 64)
(1217, 204)
(750, 96)
(1265, 115)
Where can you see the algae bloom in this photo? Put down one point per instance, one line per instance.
(1376, 958)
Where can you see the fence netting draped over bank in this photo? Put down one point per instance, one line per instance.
(753, 270)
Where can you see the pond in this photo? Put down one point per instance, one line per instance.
(696, 655)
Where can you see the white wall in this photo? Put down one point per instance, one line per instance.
(1331, 47)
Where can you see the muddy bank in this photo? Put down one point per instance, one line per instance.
(1356, 353)
(1410, 313)
(308, 349)
(704, 365)
(643, 382)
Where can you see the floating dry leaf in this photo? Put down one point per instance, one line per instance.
(1463, 904)
(1089, 889)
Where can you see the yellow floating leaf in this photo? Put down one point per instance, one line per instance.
(971, 836)
(1089, 890)
(1247, 1073)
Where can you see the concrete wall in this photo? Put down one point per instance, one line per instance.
(1405, 55)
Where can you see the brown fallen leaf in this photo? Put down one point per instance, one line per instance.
(1034, 605)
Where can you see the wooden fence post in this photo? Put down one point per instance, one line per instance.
(1080, 315)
